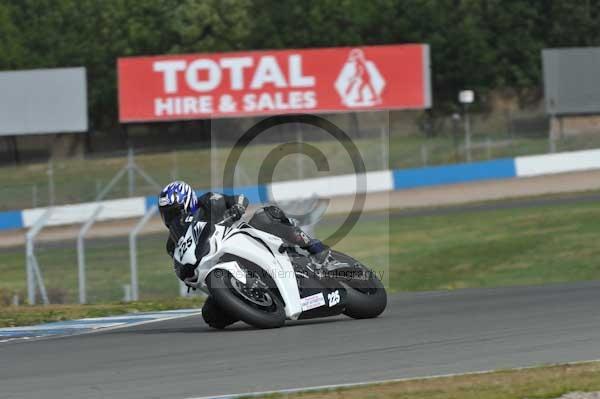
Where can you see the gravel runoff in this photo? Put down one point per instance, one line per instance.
(581, 395)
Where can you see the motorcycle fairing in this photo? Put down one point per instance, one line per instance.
(260, 248)
(309, 284)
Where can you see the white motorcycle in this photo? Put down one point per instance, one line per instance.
(256, 277)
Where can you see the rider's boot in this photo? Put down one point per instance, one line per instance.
(320, 254)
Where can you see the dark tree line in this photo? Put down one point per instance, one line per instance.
(481, 44)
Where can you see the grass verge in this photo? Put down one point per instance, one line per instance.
(12, 316)
(482, 248)
(534, 383)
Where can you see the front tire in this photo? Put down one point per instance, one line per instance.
(221, 288)
(215, 316)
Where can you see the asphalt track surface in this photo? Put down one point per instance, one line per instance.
(420, 334)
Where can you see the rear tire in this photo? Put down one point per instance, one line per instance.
(219, 284)
(363, 305)
(364, 299)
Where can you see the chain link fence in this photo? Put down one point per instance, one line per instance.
(419, 142)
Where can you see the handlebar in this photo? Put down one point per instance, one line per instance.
(228, 219)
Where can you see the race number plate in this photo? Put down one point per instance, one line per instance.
(313, 301)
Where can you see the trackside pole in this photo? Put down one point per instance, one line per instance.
(32, 268)
(299, 160)
(40, 279)
(214, 162)
(467, 133)
(133, 251)
(183, 289)
(81, 253)
(383, 141)
(129, 168)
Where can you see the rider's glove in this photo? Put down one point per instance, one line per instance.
(235, 212)
(287, 248)
(292, 249)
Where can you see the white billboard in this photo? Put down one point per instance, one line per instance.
(572, 80)
(43, 101)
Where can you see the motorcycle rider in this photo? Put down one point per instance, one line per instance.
(178, 201)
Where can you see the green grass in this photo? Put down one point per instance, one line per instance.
(11, 316)
(107, 270)
(535, 383)
(525, 246)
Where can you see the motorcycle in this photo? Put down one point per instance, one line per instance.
(256, 277)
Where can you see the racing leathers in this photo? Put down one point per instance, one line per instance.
(214, 208)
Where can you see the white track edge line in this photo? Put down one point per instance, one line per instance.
(125, 325)
(380, 382)
(97, 330)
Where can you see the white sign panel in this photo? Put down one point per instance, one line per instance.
(466, 96)
(43, 101)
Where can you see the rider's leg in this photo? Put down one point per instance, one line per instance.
(273, 220)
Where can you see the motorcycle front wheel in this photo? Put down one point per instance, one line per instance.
(215, 316)
(254, 303)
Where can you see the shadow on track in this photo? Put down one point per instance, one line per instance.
(202, 328)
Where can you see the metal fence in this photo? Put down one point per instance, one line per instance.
(75, 181)
(437, 141)
(120, 262)
(125, 262)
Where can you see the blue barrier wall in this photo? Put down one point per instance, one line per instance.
(11, 220)
(459, 173)
(420, 177)
(403, 179)
(151, 201)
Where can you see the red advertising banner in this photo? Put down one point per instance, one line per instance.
(198, 86)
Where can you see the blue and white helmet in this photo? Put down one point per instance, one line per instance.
(176, 199)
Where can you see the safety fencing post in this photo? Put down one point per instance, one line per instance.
(183, 289)
(129, 168)
(31, 264)
(133, 251)
(81, 253)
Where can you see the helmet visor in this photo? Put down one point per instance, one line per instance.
(171, 213)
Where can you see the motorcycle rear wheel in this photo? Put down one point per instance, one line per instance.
(365, 299)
